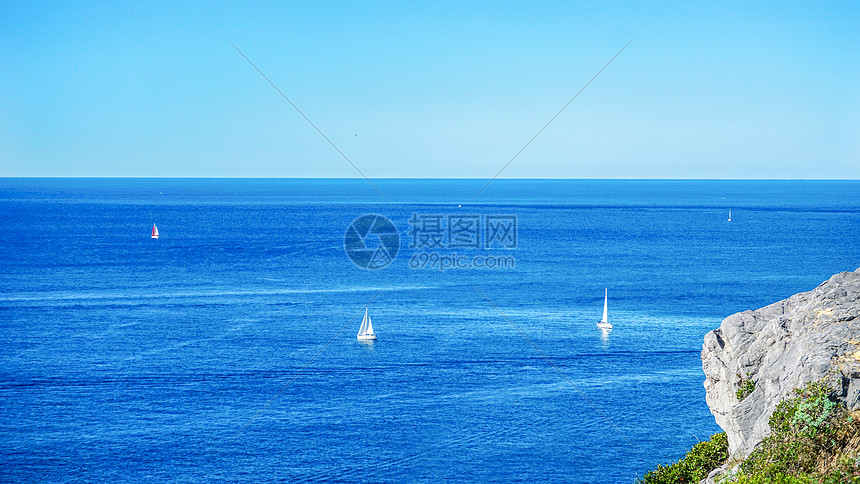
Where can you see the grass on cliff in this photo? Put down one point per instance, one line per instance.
(813, 440)
(745, 387)
(695, 466)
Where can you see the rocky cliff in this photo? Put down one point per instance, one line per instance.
(809, 336)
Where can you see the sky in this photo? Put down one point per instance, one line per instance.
(431, 89)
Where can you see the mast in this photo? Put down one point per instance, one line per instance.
(605, 301)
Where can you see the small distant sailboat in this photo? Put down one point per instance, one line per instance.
(730, 215)
(604, 322)
(154, 231)
(365, 331)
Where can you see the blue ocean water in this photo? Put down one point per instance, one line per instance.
(226, 349)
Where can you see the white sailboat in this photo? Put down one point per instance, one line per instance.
(154, 231)
(365, 331)
(730, 215)
(604, 322)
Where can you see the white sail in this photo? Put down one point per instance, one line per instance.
(363, 328)
(604, 321)
(605, 306)
(154, 231)
(369, 328)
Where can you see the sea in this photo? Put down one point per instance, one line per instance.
(226, 349)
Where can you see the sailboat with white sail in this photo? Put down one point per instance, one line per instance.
(365, 331)
(604, 322)
(154, 231)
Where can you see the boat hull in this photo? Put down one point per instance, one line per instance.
(604, 325)
(367, 337)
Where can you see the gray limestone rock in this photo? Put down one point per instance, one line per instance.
(780, 347)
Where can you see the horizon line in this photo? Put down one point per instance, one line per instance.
(113, 177)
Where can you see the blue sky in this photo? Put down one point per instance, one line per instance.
(447, 89)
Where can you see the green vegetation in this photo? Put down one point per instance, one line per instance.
(695, 466)
(813, 440)
(746, 386)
